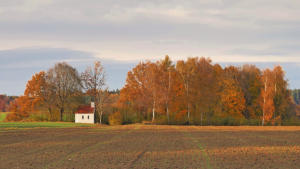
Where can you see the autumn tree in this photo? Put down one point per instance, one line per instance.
(93, 79)
(232, 96)
(186, 70)
(251, 85)
(65, 82)
(35, 87)
(41, 92)
(134, 94)
(143, 89)
(282, 96)
(152, 86)
(20, 109)
(166, 68)
(103, 97)
(203, 87)
(33, 96)
(267, 95)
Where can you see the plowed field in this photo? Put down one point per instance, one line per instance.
(147, 146)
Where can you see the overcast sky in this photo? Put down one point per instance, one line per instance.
(34, 34)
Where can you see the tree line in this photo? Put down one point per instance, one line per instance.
(196, 91)
(193, 91)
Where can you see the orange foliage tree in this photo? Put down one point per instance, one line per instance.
(267, 95)
(20, 108)
(251, 85)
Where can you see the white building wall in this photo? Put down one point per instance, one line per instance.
(84, 118)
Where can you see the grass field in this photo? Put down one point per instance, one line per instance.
(3, 116)
(150, 146)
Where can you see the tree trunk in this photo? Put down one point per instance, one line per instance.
(153, 112)
(201, 117)
(50, 113)
(264, 107)
(101, 113)
(169, 85)
(188, 111)
(263, 119)
(275, 102)
(188, 103)
(168, 114)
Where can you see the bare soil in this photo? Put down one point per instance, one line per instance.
(147, 146)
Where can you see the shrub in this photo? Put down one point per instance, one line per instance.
(253, 122)
(228, 121)
(38, 116)
(115, 119)
(16, 116)
(291, 122)
(69, 117)
(181, 117)
(161, 120)
(105, 119)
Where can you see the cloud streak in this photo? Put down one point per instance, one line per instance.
(18, 65)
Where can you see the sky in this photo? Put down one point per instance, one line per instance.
(35, 34)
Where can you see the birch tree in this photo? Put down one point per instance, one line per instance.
(267, 95)
(185, 70)
(165, 70)
(93, 80)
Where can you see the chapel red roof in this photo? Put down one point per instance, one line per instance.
(85, 109)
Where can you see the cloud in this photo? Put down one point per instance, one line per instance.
(134, 30)
(198, 27)
(21, 58)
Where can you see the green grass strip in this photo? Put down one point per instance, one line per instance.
(201, 148)
(22, 125)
